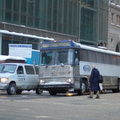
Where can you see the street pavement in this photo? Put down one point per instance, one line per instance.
(29, 106)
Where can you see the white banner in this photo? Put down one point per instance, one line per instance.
(20, 50)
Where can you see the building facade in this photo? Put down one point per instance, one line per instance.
(114, 26)
(33, 21)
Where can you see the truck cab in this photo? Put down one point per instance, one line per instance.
(16, 77)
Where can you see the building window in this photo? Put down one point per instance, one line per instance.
(112, 17)
(117, 17)
(118, 20)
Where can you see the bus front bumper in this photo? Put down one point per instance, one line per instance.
(56, 86)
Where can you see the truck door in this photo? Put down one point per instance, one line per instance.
(20, 77)
(31, 77)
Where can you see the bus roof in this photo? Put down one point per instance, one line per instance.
(72, 44)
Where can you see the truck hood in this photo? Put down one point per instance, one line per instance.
(5, 75)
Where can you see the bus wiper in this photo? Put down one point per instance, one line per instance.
(50, 63)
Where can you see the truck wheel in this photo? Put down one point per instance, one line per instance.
(18, 91)
(11, 89)
(39, 91)
(51, 92)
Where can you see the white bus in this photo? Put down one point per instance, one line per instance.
(66, 66)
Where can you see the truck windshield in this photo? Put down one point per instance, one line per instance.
(57, 57)
(7, 68)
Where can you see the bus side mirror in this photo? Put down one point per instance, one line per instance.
(76, 61)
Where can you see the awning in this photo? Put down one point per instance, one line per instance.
(26, 35)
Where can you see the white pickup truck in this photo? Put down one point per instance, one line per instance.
(16, 77)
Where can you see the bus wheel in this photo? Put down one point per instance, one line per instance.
(118, 88)
(18, 91)
(11, 89)
(118, 85)
(51, 92)
(39, 91)
(83, 88)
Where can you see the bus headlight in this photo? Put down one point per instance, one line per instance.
(69, 81)
(42, 81)
(4, 80)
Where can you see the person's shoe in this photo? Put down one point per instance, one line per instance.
(90, 97)
(97, 97)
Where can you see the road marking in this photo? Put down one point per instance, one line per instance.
(24, 109)
(42, 116)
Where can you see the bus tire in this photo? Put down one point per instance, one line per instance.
(39, 91)
(118, 84)
(83, 88)
(18, 91)
(11, 89)
(118, 87)
(51, 92)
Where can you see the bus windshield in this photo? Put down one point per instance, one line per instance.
(57, 57)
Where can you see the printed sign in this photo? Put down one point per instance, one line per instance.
(20, 50)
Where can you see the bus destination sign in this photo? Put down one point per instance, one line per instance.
(55, 44)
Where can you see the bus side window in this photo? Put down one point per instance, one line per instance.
(100, 57)
(92, 56)
(84, 55)
(118, 60)
(114, 59)
(107, 59)
(76, 58)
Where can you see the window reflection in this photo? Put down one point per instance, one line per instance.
(59, 16)
(57, 57)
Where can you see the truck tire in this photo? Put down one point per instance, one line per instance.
(11, 89)
(18, 91)
(39, 91)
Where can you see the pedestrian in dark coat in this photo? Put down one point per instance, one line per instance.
(94, 85)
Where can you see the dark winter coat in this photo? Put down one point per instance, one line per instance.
(94, 85)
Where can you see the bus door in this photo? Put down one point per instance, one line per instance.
(76, 57)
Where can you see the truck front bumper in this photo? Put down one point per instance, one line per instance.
(3, 86)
